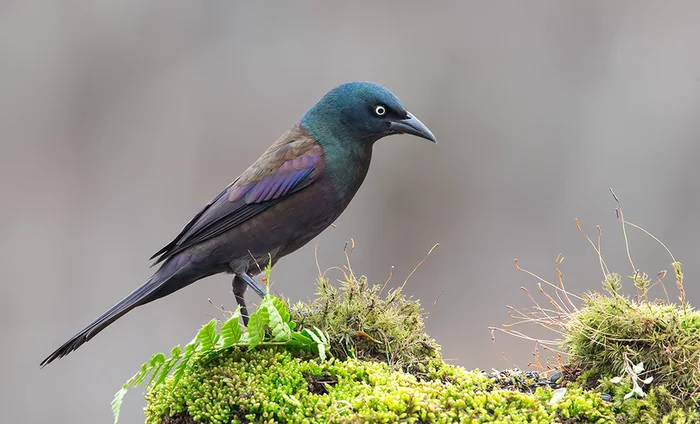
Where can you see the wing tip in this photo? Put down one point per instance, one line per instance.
(163, 254)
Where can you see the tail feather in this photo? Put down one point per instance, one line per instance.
(147, 292)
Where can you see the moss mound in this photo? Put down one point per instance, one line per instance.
(385, 368)
(363, 324)
(271, 385)
(610, 332)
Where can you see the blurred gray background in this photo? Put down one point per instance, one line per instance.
(119, 120)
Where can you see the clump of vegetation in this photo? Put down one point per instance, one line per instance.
(364, 324)
(645, 353)
(612, 334)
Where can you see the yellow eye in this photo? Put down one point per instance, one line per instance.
(380, 110)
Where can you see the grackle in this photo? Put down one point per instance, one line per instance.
(296, 189)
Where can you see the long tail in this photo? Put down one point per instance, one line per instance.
(165, 281)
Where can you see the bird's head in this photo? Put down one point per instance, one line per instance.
(361, 112)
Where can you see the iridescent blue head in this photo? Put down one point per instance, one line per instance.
(361, 112)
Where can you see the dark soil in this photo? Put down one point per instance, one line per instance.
(182, 418)
(318, 384)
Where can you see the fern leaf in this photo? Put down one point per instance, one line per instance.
(117, 403)
(324, 343)
(322, 335)
(312, 335)
(299, 340)
(280, 329)
(176, 351)
(208, 336)
(156, 363)
(146, 369)
(175, 355)
(190, 350)
(231, 330)
(318, 337)
(139, 376)
(282, 309)
(321, 351)
(256, 325)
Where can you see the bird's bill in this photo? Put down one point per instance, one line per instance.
(412, 126)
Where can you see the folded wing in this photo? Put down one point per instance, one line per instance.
(291, 164)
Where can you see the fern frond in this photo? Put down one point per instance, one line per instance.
(208, 336)
(256, 326)
(319, 339)
(155, 365)
(283, 311)
(117, 403)
(190, 350)
(278, 325)
(175, 355)
(231, 330)
(272, 313)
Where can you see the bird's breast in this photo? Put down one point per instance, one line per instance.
(283, 228)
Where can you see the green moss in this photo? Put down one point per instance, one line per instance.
(665, 337)
(385, 368)
(271, 385)
(363, 324)
(657, 406)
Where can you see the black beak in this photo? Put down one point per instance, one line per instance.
(411, 125)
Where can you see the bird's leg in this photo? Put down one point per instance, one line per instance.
(239, 286)
(257, 288)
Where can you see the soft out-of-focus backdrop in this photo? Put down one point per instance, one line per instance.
(119, 121)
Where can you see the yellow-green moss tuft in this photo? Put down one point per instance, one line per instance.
(363, 324)
(664, 337)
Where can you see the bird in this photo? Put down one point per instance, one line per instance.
(295, 190)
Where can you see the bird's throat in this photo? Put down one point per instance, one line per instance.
(347, 157)
(347, 165)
